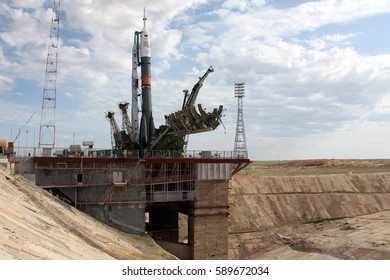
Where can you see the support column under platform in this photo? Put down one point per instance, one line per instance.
(208, 220)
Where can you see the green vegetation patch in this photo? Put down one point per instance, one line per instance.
(323, 220)
(348, 228)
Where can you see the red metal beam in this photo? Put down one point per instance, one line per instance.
(197, 160)
(83, 159)
(240, 167)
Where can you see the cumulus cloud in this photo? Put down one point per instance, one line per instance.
(300, 84)
(5, 84)
(331, 40)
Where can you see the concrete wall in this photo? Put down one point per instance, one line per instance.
(213, 171)
(23, 166)
(126, 217)
(119, 206)
(124, 208)
(180, 250)
(47, 177)
(208, 220)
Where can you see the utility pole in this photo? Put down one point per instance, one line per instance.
(47, 130)
(240, 147)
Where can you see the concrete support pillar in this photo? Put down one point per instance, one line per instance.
(208, 220)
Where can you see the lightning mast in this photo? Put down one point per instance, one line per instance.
(240, 148)
(47, 130)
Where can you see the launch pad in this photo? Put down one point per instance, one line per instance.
(146, 195)
(148, 179)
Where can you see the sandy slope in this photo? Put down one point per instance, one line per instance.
(36, 225)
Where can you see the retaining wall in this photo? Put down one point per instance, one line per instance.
(262, 202)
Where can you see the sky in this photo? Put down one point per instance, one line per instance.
(316, 73)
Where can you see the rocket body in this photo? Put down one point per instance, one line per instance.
(134, 92)
(147, 129)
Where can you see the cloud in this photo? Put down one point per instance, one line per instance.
(5, 84)
(293, 89)
(23, 27)
(332, 40)
(242, 5)
(300, 84)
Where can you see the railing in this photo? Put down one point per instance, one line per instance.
(25, 152)
(69, 152)
(109, 153)
(192, 154)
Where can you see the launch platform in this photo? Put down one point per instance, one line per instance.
(181, 200)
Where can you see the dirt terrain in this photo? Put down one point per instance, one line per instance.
(311, 209)
(329, 163)
(36, 225)
(319, 166)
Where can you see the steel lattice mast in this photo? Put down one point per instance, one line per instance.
(47, 130)
(240, 148)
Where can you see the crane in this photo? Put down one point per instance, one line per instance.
(116, 134)
(187, 121)
(20, 130)
(190, 99)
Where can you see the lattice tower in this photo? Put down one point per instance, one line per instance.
(47, 130)
(116, 134)
(240, 147)
(126, 123)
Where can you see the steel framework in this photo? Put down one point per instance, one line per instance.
(47, 130)
(240, 147)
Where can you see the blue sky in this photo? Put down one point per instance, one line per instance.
(316, 72)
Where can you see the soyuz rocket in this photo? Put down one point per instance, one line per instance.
(147, 129)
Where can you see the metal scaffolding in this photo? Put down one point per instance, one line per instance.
(47, 130)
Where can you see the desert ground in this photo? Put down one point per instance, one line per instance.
(311, 209)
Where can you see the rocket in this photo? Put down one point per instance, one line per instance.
(134, 91)
(147, 129)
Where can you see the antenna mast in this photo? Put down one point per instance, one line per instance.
(47, 130)
(240, 148)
